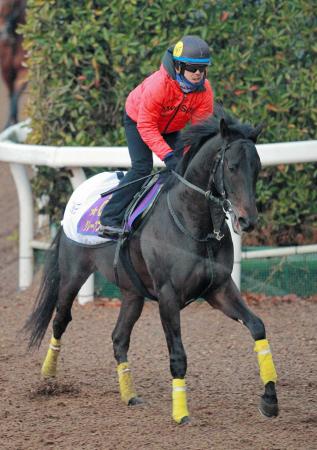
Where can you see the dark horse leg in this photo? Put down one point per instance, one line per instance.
(228, 299)
(170, 317)
(14, 104)
(13, 72)
(131, 309)
(72, 277)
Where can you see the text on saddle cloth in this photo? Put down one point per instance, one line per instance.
(90, 221)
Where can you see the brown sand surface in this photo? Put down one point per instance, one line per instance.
(82, 409)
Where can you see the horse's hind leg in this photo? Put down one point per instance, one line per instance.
(15, 96)
(228, 299)
(131, 309)
(73, 276)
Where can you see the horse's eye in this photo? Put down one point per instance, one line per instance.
(232, 167)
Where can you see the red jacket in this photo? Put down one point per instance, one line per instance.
(158, 106)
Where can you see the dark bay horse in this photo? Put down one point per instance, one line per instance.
(181, 251)
(12, 55)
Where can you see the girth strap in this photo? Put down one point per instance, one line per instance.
(123, 253)
(133, 275)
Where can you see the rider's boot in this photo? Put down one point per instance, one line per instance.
(111, 231)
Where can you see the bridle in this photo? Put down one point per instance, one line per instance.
(222, 201)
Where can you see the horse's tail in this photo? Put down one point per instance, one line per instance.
(47, 296)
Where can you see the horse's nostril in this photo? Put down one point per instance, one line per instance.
(243, 221)
(246, 224)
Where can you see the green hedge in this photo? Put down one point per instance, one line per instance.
(86, 56)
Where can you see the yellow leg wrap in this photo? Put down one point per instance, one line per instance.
(179, 400)
(265, 360)
(50, 363)
(127, 390)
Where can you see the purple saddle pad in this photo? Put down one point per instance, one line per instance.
(90, 221)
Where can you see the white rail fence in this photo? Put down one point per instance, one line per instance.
(19, 156)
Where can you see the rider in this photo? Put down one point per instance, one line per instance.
(155, 111)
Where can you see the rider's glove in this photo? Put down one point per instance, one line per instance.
(171, 161)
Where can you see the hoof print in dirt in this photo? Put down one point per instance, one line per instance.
(268, 408)
(50, 388)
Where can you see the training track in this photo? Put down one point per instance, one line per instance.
(83, 410)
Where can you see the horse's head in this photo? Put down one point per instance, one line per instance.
(236, 173)
(221, 156)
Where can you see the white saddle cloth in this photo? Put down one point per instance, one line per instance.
(82, 214)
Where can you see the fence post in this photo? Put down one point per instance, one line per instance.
(26, 224)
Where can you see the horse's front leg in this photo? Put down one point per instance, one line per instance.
(170, 317)
(228, 299)
(131, 309)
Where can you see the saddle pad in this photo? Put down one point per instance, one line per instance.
(82, 214)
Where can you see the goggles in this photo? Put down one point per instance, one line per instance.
(194, 67)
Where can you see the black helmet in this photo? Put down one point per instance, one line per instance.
(193, 50)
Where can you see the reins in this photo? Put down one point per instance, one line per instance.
(182, 228)
(118, 188)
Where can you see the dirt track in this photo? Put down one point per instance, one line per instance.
(3, 104)
(83, 410)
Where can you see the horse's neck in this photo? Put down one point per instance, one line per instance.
(199, 170)
(192, 205)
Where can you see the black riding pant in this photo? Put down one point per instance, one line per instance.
(141, 165)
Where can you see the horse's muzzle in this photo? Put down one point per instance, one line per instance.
(247, 223)
(242, 221)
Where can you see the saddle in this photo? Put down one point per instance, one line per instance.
(142, 203)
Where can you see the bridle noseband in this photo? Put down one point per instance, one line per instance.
(221, 201)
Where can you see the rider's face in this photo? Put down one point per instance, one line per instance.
(195, 77)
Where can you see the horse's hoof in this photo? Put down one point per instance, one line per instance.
(268, 409)
(135, 401)
(184, 421)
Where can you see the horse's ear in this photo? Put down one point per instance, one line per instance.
(256, 132)
(224, 129)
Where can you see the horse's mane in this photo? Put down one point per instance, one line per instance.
(193, 138)
(196, 135)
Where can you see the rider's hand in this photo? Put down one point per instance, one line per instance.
(171, 161)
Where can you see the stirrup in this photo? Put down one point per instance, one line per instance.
(113, 232)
